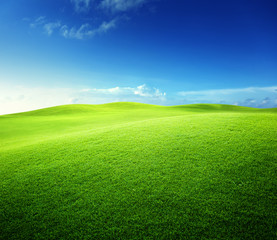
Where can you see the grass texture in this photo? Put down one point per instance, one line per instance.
(138, 171)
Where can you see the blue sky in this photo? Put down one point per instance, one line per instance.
(151, 51)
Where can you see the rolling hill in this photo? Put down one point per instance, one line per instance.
(138, 171)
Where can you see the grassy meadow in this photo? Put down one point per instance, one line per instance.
(138, 171)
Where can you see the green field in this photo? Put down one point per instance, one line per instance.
(138, 171)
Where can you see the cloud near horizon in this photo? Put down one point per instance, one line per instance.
(140, 93)
(20, 99)
(259, 97)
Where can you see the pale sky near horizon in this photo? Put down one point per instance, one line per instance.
(150, 51)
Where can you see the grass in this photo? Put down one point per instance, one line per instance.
(137, 171)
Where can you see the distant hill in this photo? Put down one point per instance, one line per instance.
(89, 108)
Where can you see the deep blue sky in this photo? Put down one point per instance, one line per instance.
(153, 51)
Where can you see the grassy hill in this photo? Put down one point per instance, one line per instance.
(138, 171)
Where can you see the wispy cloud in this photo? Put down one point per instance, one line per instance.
(120, 5)
(86, 31)
(47, 26)
(251, 96)
(38, 21)
(82, 32)
(19, 98)
(50, 27)
(81, 5)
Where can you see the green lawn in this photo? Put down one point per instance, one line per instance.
(137, 171)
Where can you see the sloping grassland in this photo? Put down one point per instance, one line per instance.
(137, 171)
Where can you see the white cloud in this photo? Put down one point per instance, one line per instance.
(105, 26)
(19, 99)
(86, 31)
(38, 21)
(81, 5)
(251, 96)
(144, 91)
(138, 93)
(50, 27)
(82, 32)
(83, 8)
(120, 5)
(265, 101)
(215, 92)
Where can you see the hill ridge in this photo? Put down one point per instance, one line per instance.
(90, 108)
